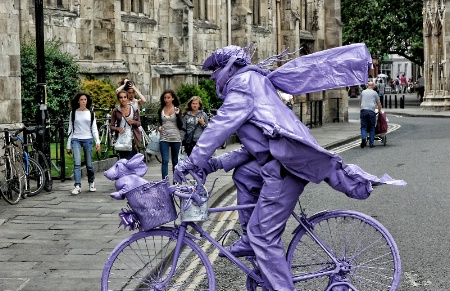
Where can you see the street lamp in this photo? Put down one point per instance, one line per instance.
(43, 135)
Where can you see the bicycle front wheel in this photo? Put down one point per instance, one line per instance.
(367, 254)
(144, 261)
(11, 182)
(35, 178)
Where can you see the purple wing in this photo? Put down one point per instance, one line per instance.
(329, 69)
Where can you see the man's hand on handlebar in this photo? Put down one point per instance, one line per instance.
(179, 175)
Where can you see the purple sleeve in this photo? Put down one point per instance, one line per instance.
(234, 112)
(234, 158)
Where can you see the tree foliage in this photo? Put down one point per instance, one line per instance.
(62, 79)
(103, 94)
(385, 26)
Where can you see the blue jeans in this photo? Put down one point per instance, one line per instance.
(174, 150)
(86, 144)
(368, 119)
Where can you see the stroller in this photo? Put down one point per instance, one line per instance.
(381, 127)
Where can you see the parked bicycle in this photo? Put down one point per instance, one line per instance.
(32, 148)
(12, 175)
(34, 174)
(330, 250)
(107, 138)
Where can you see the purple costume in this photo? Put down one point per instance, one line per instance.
(279, 155)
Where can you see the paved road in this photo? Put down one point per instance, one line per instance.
(56, 241)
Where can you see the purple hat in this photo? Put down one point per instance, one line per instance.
(220, 57)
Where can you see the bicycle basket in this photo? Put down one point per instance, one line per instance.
(152, 204)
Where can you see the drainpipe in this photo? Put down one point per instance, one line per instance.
(278, 26)
(229, 21)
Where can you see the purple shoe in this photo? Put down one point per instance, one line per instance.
(240, 248)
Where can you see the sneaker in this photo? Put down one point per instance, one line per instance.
(363, 142)
(372, 146)
(76, 191)
(240, 248)
(92, 187)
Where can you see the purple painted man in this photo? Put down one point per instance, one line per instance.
(279, 156)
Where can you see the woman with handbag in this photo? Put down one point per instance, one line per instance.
(170, 123)
(125, 121)
(194, 122)
(82, 131)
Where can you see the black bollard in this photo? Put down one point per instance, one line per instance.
(385, 101)
(390, 101)
(402, 102)
(395, 101)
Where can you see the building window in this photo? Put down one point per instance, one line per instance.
(256, 11)
(406, 70)
(137, 6)
(57, 3)
(201, 9)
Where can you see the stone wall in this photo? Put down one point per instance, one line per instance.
(10, 109)
(163, 45)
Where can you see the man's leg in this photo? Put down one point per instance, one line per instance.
(372, 120)
(248, 181)
(363, 119)
(275, 204)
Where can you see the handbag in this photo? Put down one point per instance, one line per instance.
(189, 138)
(153, 145)
(124, 142)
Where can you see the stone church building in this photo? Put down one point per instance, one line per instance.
(437, 55)
(162, 44)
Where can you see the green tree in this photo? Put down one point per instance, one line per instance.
(385, 26)
(62, 79)
(208, 85)
(186, 91)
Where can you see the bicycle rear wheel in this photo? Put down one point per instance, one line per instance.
(35, 178)
(11, 181)
(42, 161)
(144, 260)
(369, 258)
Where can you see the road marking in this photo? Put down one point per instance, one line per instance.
(345, 147)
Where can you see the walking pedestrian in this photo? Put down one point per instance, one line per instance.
(124, 115)
(195, 121)
(369, 102)
(130, 87)
(170, 123)
(82, 132)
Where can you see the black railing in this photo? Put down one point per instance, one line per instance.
(313, 113)
(58, 132)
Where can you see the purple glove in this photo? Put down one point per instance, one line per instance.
(213, 165)
(179, 175)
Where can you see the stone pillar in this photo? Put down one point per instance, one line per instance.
(10, 110)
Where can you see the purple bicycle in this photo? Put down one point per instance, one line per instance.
(331, 250)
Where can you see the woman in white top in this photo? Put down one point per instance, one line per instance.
(82, 131)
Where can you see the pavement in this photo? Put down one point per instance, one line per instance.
(57, 241)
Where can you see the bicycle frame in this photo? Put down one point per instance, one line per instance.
(303, 223)
(182, 232)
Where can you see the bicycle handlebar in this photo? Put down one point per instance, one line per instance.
(186, 192)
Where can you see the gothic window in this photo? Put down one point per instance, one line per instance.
(256, 11)
(58, 3)
(201, 9)
(136, 6)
